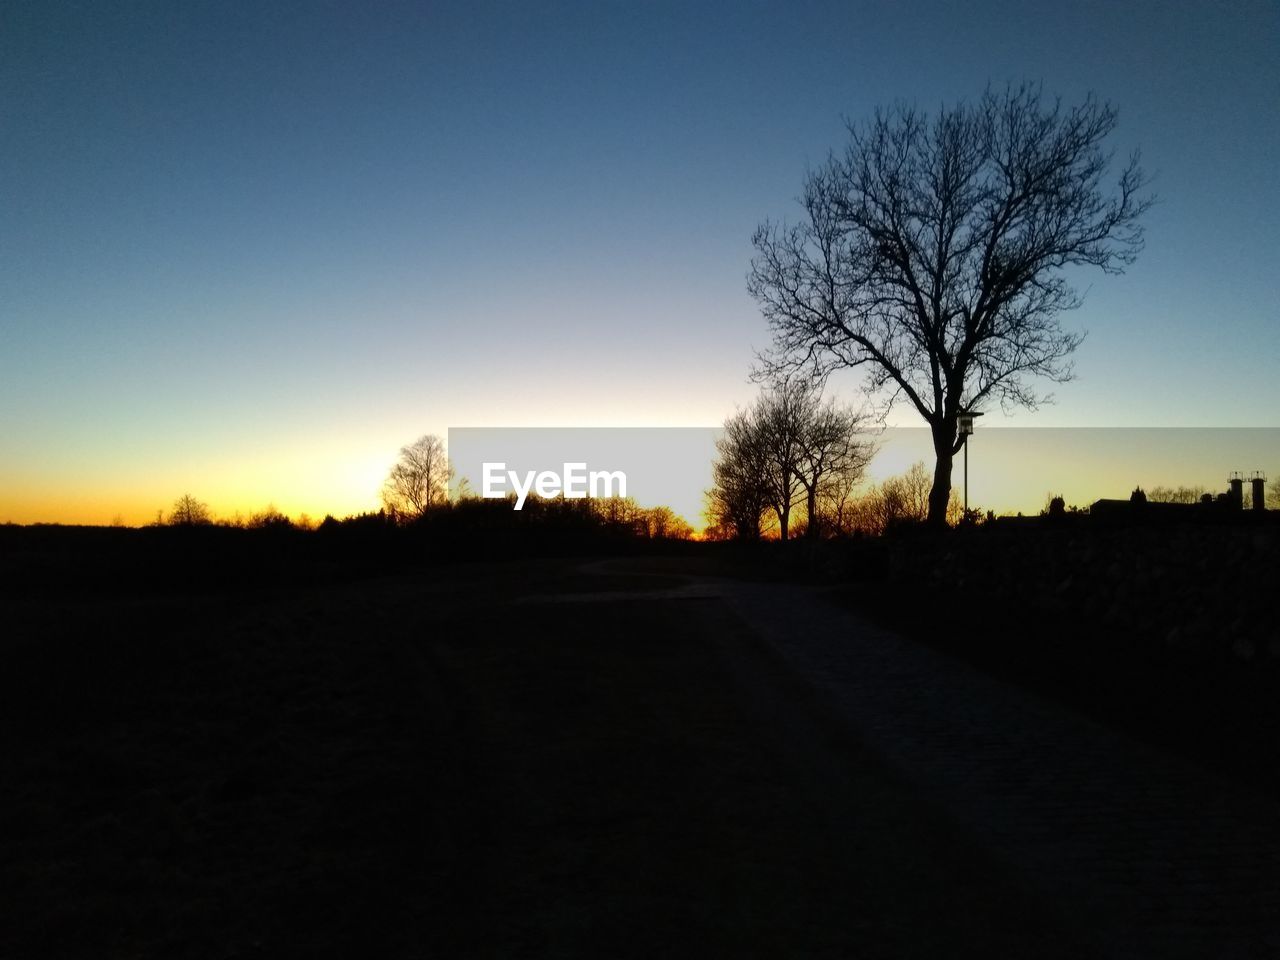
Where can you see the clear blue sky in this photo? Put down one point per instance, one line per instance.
(247, 250)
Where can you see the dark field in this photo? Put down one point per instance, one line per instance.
(472, 761)
(1168, 633)
(220, 744)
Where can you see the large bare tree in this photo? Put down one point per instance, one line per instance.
(419, 479)
(933, 254)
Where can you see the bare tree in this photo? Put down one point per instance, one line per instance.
(898, 499)
(419, 480)
(738, 498)
(838, 506)
(759, 462)
(269, 519)
(780, 419)
(833, 454)
(663, 523)
(912, 489)
(932, 254)
(1175, 494)
(783, 454)
(189, 512)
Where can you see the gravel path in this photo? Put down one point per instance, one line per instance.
(1156, 857)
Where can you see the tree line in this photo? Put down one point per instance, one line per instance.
(187, 511)
(417, 486)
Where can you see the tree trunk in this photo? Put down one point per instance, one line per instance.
(812, 507)
(944, 439)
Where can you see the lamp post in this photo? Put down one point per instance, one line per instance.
(965, 424)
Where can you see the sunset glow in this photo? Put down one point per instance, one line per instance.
(257, 284)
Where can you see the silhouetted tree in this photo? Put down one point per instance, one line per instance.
(1175, 494)
(911, 490)
(902, 499)
(790, 449)
(663, 523)
(419, 480)
(779, 420)
(269, 519)
(838, 505)
(932, 254)
(617, 513)
(739, 496)
(833, 455)
(189, 512)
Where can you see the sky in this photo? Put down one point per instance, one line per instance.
(249, 250)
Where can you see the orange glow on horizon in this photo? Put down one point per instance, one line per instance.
(1011, 471)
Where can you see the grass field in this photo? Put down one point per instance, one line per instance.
(519, 759)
